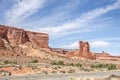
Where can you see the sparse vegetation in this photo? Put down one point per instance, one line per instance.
(108, 66)
(111, 66)
(57, 63)
(34, 61)
(62, 63)
(9, 62)
(77, 64)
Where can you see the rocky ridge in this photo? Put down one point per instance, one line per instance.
(16, 40)
(15, 36)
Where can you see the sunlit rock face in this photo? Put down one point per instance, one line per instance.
(85, 50)
(16, 36)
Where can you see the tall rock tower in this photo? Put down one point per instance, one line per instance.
(85, 50)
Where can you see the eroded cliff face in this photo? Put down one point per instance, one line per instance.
(39, 39)
(15, 36)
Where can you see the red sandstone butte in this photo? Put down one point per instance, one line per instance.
(85, 50)
(17, 36)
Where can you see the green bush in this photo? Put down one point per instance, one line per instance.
(108, 66)
(111, 67)
(6, 62)
(9, 62)
(62, 63)
(34, 61)
(57, 63)
(71, 64)
(53, 63)
(78, 65)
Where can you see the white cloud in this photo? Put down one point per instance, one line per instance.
(99, 44)
(74, 45)
(59, 13)
(93, 44)
(107, 39)
(80, 21)
(22, 9)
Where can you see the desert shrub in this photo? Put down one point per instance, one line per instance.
(34, 61)
(111, 66)
(57, 63)
(77, 64)
(71, 64)
(53, 63)
(60, 63)
(6, 62)
(9, 62)
(108, 66)
(98, 65)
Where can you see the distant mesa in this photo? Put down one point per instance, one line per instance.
(11, 37)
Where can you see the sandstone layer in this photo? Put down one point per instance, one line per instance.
(15, 36)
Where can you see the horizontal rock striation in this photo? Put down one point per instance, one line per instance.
(16, 36)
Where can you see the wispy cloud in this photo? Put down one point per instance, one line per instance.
(80, 21)
(74, 45)
(107, 39)
(59, 13)
(99, 44)
(22, 9)
(93, 44)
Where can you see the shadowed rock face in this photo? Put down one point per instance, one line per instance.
(2, 46)
(17, 36)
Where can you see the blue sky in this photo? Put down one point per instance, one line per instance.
(68, 21)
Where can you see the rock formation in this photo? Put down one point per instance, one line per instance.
(85, 50)
(2, 46)
(39, 39)
(16, 36)
(58, 50)
(105, 56)
(13, 39)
